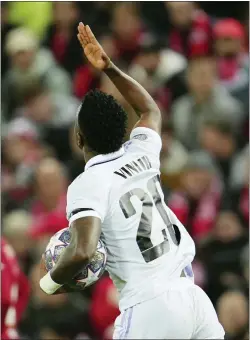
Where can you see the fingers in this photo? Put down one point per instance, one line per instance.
(82, 36)
(86, 35)
(80, 39)
(90, 35)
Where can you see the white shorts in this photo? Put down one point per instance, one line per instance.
(183, 311)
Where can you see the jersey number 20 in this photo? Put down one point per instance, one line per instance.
(143, 238)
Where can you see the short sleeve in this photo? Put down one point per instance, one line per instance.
(87, 196)
(146, 140)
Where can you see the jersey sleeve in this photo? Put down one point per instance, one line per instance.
(87, 196)
(145, 139)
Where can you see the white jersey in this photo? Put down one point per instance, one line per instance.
(146, 243)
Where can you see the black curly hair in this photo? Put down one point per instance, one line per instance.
(102, 122)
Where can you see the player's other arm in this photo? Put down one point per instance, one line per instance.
(137, 97)
(85, 233)
(132, 91)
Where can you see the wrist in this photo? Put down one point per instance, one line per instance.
(48, 285)
(112, 71)
(109, 67)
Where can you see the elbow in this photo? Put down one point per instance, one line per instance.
(158, 113)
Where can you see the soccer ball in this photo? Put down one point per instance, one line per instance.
(89, 273)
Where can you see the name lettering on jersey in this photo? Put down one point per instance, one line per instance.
(134, 167)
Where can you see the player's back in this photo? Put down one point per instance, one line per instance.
(147, 245)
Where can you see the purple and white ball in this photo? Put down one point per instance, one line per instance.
(89, 273)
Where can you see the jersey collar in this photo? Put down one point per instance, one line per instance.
(100, 159)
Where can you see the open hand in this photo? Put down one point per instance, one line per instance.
(91, 47)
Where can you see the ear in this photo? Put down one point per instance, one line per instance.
(79, 140)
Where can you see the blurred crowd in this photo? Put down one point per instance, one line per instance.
(193, 59)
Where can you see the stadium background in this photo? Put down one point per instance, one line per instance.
(193, 58)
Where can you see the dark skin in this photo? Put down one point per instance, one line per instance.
(86, 231)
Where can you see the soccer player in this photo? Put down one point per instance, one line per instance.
(119, 198)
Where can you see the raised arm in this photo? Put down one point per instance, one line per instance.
(132, 91)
